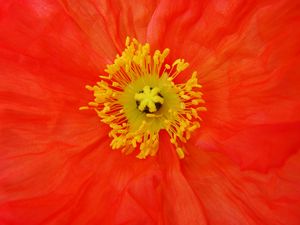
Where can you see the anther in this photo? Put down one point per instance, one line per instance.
(160, 104)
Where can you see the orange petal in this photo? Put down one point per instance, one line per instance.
(107, 24)
(180, 205)
(252, 90)
(232, 196)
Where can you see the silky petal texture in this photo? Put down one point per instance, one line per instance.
(41, 84)
(247, 57)
(180, 205)
(55, 161)
(108, 23)
(235, 197)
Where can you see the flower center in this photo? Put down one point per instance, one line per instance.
(149, 100)
(139, 97)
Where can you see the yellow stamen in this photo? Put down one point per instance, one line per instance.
(139, 97)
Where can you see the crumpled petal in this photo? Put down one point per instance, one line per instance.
(253, 105)
(180, 205)
(108, 23)
(247, 56)
(93, 186)
(231, 196)
(56, 163)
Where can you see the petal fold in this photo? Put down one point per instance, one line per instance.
(231, 196)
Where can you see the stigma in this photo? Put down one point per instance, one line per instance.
(149, 100)
(138, 98)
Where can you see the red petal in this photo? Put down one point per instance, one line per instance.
(231, 196)
(56, 163)
(247, 57)
(180, 204)
(96, 186)
(107, 24)
(42, 30)
(253, 96)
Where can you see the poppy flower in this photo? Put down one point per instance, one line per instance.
(231, 158)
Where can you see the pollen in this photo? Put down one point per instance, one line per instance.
(138, 97)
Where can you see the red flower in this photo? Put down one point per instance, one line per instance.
(241, 165)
